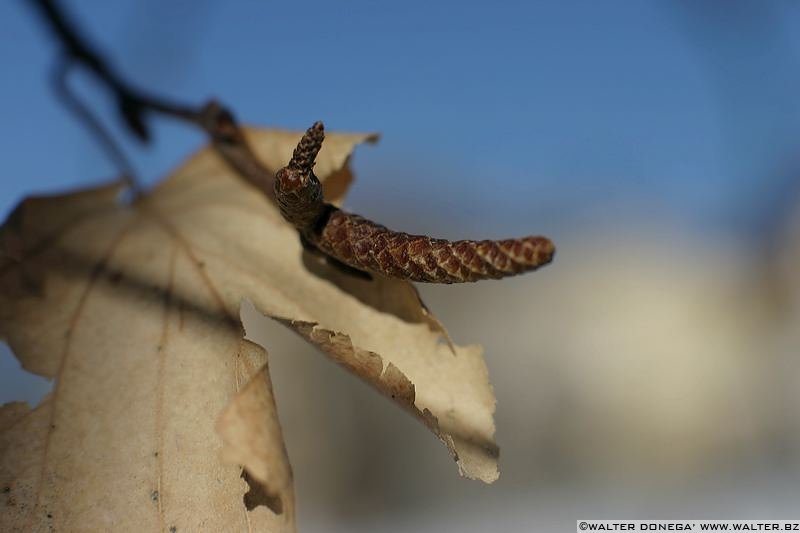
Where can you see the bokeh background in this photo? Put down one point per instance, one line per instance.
(651, 372)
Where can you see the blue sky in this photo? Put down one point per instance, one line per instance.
(528, 116)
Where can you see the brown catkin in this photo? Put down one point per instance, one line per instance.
(365, 245)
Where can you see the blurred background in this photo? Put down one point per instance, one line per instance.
(651, 372)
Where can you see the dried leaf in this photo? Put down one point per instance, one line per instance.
(251, 432)
(133, 310)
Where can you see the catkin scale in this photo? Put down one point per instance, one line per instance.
(365, 245)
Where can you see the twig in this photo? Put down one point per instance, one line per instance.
(84, 114)
(344, 237)
(133, 106)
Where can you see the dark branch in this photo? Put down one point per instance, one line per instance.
(133, 106)
(95, 126)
